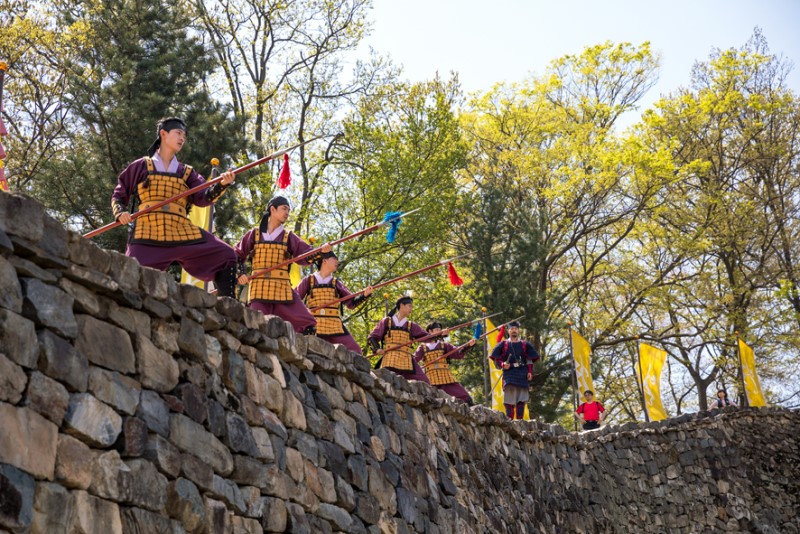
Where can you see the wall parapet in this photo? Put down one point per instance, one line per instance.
(131, 403)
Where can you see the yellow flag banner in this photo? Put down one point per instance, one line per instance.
(496, 375)
(295, 275)
(652, 361)
(582, 353)
(752, 386)
(202, 218)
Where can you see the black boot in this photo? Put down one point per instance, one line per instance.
(225, 280)
(310, 331)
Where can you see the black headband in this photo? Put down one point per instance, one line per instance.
(275, 202)
(168, 124)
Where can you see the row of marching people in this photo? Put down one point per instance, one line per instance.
(163, 235)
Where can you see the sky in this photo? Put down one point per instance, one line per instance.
(507, 40)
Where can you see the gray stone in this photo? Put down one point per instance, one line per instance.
(338, 516)
(345, 496)
(197, 471)
(249, 471)
(154, 412)
(54, 239)
(264, 450)
(130, 320)
(125, 270)
(28, 441)
(278, 483)
(53, 508)
(16, 497)
(111, 477)
(11, 295)
(136, 520)
(368, 508)
(218, 519)
(21, 216)
(164, 455)
(85, 300)
(114, 389)
(196, 297)
(239, 436)
(134, 437)
(19, 339)
(193, 438)
(233, 372)
(195, 402)
(58, 359)
(185, 504)
(216, 419)
(406, 505)
(382, 489)
(47, 397)
(155, 283)
(165, 335)
(192, 340)
(229, 493)
(74, 463)
(293, 414)
(95, 516)
(213, 320)
(12, 380)
(274, 517)
(147, 487)
(92, 279)
(157, 369)
(156, 308)
(49, 306)
(105, 345)
(85, 252)
(297, 520)
(28, 269)
(6, 246)
(92, 421)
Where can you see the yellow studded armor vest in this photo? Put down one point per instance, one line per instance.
(275, 285)
(401, 358)
(329, 321)
(169, 224)
(439, 371)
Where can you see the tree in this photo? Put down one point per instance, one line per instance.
(571, 191)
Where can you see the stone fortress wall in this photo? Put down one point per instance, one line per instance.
(130, 403)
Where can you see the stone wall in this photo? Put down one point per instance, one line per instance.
(129, 403)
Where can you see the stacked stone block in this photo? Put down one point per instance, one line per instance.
(132, 404)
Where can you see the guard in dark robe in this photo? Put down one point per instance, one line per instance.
(393, 330)
(165, 236)
(266, 246)
(323, 287)
(430, 356)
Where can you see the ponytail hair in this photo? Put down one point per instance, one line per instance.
(400, 301)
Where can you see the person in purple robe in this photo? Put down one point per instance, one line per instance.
(268, 245)
(431, 356)
(391, 332)
(166, 235)
(320, 288)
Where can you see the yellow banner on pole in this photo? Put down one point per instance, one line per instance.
(582, 353)
(496, 375)
(752, 385)
(202, 218)
(651, 361)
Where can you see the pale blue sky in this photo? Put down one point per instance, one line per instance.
(505, 40)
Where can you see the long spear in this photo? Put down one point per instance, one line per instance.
(198, 188)
(447, 355)
(388, 282)
(389, 221)
(442, 333)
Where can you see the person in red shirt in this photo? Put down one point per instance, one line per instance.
(591, 413)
